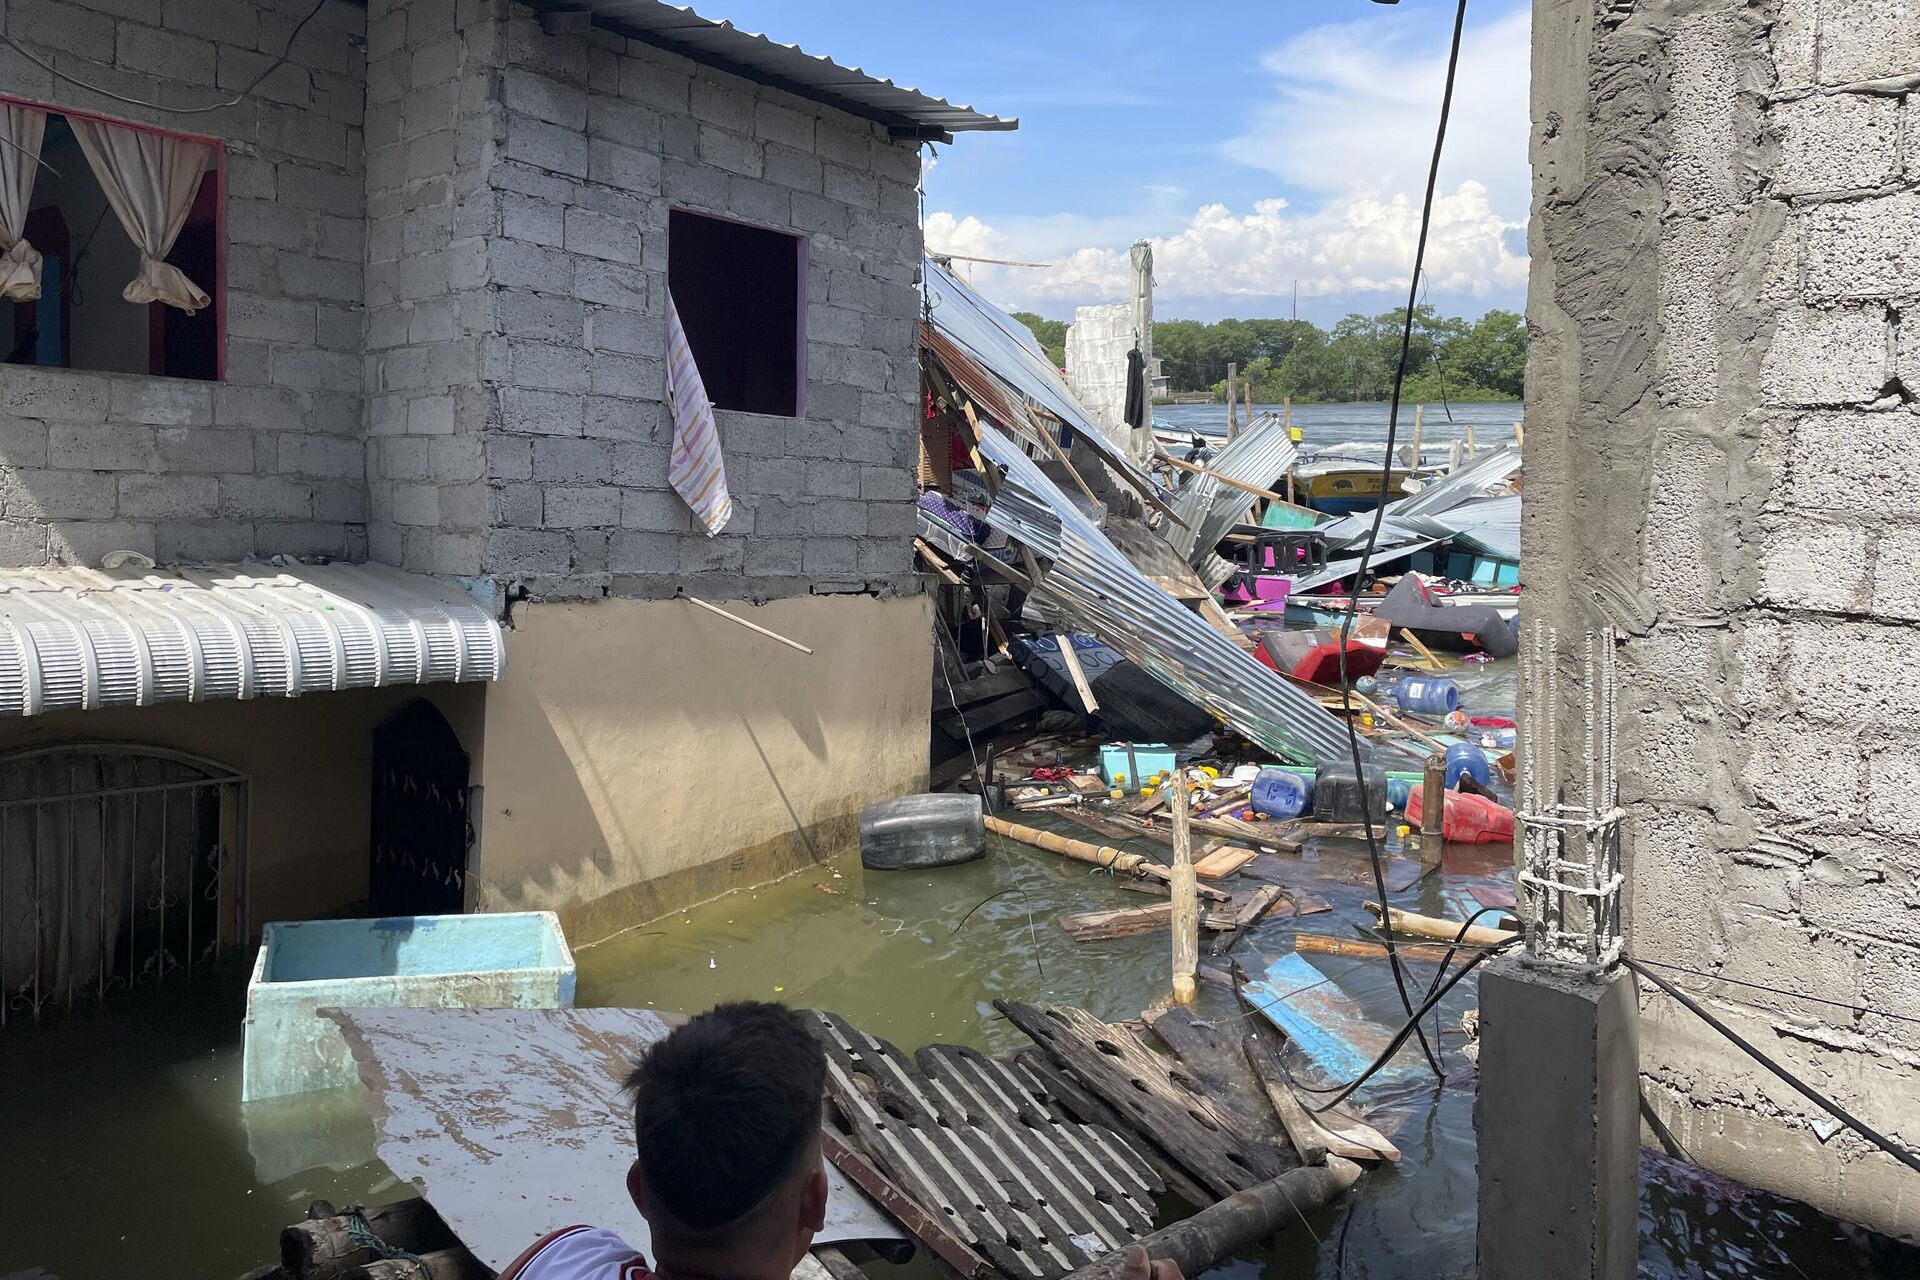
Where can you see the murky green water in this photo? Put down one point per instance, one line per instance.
(126, 1150)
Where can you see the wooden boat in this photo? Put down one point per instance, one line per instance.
(1341, 486)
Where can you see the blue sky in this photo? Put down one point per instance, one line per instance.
(1258, 143)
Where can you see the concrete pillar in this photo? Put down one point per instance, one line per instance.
(1559, 1124)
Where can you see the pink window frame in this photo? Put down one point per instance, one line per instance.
(219, 208)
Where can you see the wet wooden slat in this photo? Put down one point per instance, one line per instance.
(968, 1138)
(1068, 1098)
(1150, 1092)
(1213, 1056)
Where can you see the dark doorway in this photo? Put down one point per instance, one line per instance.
(419, 845)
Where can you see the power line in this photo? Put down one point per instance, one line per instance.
(1373, 537)
(1832, 1108)
(234, 101)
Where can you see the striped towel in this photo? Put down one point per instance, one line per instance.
(695, 468)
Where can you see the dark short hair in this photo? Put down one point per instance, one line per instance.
(725, 1108)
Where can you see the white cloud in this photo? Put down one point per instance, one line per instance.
(1352, 244)
(1350, 119)
(1353, 108)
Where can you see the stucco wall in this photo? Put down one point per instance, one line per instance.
(1720, 450)
(270, 460)
(310, 761)
(640, 756)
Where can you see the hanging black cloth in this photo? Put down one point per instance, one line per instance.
(1136, 411)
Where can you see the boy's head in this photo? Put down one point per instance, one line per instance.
(727, 1120)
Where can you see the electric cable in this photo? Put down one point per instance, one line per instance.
(234, 101)
(1782, 991)
(1373, 538)
(1860, 1127)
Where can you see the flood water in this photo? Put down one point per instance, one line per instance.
(126, 1149)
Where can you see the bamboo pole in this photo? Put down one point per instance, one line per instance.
(1199, 470)
(1473, 449)
(1326, 945)
(1477, 935)
(1071, 661)
(751, 626)
(1100, 855)
(1419, 427)
(1186, 906)
(1244, 1218)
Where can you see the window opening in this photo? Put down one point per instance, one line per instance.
(739, 290)
(88, 258)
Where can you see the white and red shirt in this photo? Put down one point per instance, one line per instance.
(579, 1253)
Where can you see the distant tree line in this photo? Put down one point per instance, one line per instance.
(1484, 359)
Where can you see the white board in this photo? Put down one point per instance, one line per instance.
(513, 1121)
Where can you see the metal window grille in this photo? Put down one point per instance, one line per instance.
(1570, 877)
(119, 866)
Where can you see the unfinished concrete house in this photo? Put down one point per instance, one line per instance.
(335, 344)
(1722, 438)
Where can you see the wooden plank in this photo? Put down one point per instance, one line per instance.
(1224, 862)
(921, 1225)
(1126, 922)
(1247, 910)
(1143, 1088)
(1360, 948)
(1185, 919)
(1161, 889)
(1068, 1099)
(1212, 1058)
(962, 1135)
(1199, 470)
(1335, 1130)
(1323, 1021)
(1071, 661)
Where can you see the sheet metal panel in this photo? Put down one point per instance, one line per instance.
(784, 66)
(514, 1122)
(78, 639)
(1210, 507)
(1099, 591)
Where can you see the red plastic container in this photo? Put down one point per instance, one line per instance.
(1466, 818)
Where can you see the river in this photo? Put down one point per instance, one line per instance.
(1327, 424)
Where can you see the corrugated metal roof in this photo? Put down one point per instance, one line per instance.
(1097, 590)
(719, 44)
(77, 639)
(1210, 507)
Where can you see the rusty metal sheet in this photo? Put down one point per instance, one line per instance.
(514, 1121)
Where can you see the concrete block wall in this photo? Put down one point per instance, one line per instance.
(1722, 420)
(269, 460)
(1097, 344)
(598, 138)
(432, 134)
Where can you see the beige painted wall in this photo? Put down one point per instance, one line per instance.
(310, 761)
(641, 755)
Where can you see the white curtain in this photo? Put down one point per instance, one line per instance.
(22, 129)
(151, 180)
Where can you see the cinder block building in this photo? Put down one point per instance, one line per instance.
(335, 342)
(1721, 444)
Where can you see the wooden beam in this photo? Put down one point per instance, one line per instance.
(1071, 661)
(1199, 470)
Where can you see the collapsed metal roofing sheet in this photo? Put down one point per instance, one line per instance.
(1001, 361)
(77, 639)
(1095, 587)
(1211, 507)
(719, 44)
(1444, 494)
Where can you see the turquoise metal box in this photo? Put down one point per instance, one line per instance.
(511, 960)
